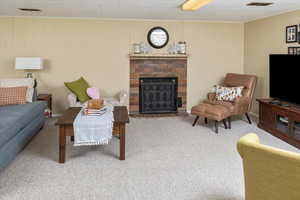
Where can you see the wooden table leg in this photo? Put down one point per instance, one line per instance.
(216, 126)
(225, 124)
(205, 121)
(122, 141)
(62, 144)
(195, 120)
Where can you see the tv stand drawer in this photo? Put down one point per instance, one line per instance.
(279, 110)
(282, 122)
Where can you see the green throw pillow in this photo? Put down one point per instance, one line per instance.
(79, 89)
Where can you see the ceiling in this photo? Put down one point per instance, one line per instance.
(218, 10)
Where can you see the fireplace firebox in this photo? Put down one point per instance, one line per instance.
(158, 95)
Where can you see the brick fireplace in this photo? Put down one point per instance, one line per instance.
(159, 67)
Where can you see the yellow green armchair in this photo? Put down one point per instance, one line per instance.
(270, 173)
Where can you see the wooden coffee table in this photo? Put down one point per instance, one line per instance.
(65, 124)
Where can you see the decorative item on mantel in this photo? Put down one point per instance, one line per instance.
(136, 48)
(154, 56)
(141, 48)
(177, 48)
(173, 48)
(145, 48)
(181, 47)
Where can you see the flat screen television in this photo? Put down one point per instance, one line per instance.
(285, 78)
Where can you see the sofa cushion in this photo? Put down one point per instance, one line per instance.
(14, 118)
(79, 88)
(12, 95)
(20, 82)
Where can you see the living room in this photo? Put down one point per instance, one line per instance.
(112, 46)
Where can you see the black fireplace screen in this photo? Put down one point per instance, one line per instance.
(158, 95)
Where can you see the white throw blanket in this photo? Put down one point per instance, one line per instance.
(93, 130)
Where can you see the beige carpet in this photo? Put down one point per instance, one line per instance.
(167, 159)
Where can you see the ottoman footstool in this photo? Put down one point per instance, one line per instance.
(213, 112)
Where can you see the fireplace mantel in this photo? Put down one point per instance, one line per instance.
(157, 56)
(157, 66)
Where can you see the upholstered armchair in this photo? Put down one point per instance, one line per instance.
(120, 100)
(270, 173)
(241, 105)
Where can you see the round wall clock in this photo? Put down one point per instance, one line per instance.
(158, 37)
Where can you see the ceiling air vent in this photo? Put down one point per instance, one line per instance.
(259, 4)
(30, 9)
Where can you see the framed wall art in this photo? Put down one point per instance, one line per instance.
(294, 50)
(291, 34)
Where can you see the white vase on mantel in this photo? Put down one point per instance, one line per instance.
(173, 48)
(182, 47)
(136, 48)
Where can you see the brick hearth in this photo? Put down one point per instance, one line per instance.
(157, 66)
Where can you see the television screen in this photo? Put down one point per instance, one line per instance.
(285, 78)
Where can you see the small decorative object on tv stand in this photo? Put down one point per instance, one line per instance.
(281, 121)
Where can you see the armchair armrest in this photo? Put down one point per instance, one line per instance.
(242, 105)
(248, 139)
(241, 101)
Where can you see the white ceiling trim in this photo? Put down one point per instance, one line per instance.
(154, 20)
(148, 10)
(126, 19)
(272, 15)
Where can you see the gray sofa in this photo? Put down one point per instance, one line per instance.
(18, 124)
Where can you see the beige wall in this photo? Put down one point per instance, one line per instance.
(98, 50)
(264, 37)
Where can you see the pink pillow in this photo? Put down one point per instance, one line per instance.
(93, 92)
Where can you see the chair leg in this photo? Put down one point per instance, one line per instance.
(229, 122)
(217, 126)
(248, 118)
(205, 120)
(225, 124)
(195, 120)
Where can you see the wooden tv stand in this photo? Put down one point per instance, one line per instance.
(282, 121)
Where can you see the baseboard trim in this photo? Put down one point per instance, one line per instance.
(56, 115)
(254, 116)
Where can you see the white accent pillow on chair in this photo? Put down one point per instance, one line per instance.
(228, 93)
